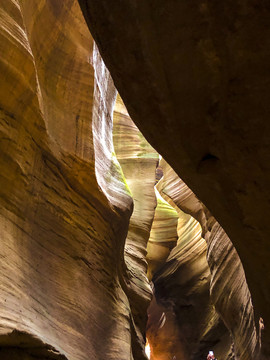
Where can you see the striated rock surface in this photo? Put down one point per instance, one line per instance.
(138, 161)
(163, 236)
(235, 308)
(229, 292)
(195, 79)
(182, 319)
(65, 206)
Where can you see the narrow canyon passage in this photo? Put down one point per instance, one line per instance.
(110, 251)
(194, 77)
(187, 254)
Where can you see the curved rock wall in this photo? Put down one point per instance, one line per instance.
(182, 320)
(228, 288)
(162, 330)
(197, 86)
(195, 79)
(64, 203)
(138, 161)
(163, 236)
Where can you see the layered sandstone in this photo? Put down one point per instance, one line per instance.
(138, 161)
(64, 203)
(195, 79)
(182, 319)
(229, 292)
(73, 272)
(163, 236)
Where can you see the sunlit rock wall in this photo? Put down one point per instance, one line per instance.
(195, 77)
(66, 274)
(163, 332)
(163, 236)
(64, 204)
(138, 161)
(182, 320)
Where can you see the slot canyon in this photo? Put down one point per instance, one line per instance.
(134, 182)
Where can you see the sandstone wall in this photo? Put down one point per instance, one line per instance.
(194, 77)
(229, 292)
(138, 161)
(198, 71)
(182, 321)
(64, 204)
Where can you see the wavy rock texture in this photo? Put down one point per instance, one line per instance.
(64, 203)
(228, 288)
(138, 161)
(183, 324)
(195, 77)
(163, 331)
(235, 308)
(163, 236)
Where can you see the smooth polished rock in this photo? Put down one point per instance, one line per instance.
(229, 292)
(163, 236)
(182, 284)
(195, 77)
(65, 206)
(138, 161)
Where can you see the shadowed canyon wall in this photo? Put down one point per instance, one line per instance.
(199, 73)
(228, 289)
(182, 286)
(82, 225)
(182, 320)
(64, 203)
(182, 323)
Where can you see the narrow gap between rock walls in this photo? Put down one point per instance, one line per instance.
(167, 258)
